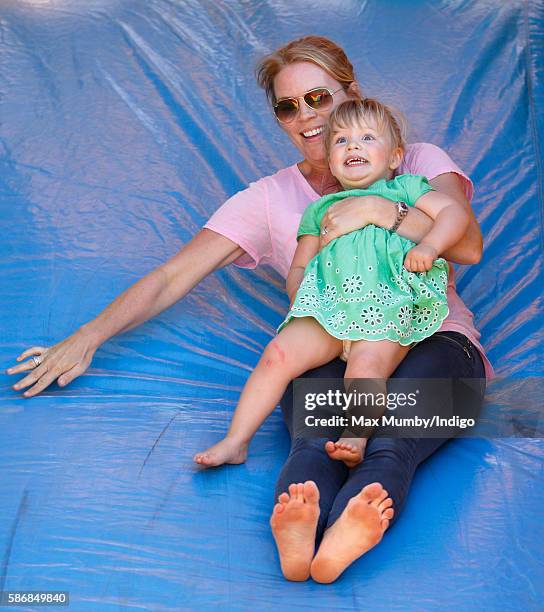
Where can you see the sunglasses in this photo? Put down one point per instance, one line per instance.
(318, 99)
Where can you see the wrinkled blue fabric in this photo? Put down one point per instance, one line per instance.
(124, 125)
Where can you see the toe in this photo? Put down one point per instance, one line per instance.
(311, 492)
(278, 509)
(330, 447)
(386, 503)
(381, 497)
(292, 490)
(300, 491)
(388, 514)
(372, 491)
(385, 524)
(283, 498)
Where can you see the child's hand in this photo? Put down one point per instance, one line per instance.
(420, 258)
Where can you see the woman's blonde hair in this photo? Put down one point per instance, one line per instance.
(355, 111)
(314, 49)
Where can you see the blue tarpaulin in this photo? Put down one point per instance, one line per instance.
(124, 125)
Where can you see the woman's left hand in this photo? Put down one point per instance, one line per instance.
(346, 216)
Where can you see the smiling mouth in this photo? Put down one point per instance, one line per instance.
(356, 161)
(311, 133)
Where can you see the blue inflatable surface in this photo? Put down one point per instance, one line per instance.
(124, 125)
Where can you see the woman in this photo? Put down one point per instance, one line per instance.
(348, 509)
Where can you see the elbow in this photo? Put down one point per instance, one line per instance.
(476, 244)
(474, 256)
(467, 255)
(478, 250)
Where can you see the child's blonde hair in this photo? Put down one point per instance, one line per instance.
(354, 111)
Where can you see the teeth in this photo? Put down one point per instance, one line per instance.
(356, 161)
(314, 132)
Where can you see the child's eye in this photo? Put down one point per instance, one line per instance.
(368, 137)
(340, 140)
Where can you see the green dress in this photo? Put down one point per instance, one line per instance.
(357, 287)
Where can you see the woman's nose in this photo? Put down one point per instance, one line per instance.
(306, 111)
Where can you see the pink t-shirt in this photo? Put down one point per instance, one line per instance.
(263, 219)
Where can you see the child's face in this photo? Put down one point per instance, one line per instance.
(361, 155)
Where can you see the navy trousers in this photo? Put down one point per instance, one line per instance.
(390, 461)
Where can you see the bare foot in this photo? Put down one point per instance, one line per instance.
(225, 451)
(294, 523)
(349, 450)
(358, 529)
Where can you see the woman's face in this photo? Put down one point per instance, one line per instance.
(306, 130)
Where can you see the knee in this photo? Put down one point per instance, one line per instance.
(313, 446)
(398, 452)
(364, 365)
(276, 356)
(311, 452)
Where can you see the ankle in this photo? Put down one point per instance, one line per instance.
(236, 440)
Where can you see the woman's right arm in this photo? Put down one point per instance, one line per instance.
(158, 290)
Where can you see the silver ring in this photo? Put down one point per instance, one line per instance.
(324, 231)
(37, 359)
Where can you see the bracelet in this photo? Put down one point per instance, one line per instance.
(402, 211)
